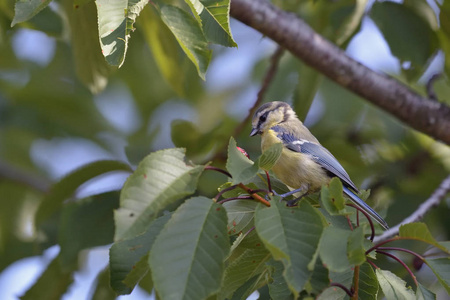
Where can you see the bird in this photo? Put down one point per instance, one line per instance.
(304, 164)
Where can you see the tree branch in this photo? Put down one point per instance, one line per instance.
(431, 202)
(293, 34)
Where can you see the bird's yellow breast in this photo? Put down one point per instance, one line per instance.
(296, 170)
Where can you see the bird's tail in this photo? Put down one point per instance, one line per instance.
(364, 206)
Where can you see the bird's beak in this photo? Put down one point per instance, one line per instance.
(254, 132)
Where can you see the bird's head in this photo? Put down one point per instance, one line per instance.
(269, 115)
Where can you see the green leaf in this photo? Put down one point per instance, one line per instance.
(146, 282)
(445, 244)
(189, 35)
(291, 235)
(243, 169)
(332, 293)
(140, 269)
(441, 268)
(424, 294)
(423, 10)
(270, 157)
(51, 285)
(320, 277)
(333, 249)
(160, 179)
(80, 3)
(345, 278)
(278, 288)
(63, 108)
(115, 23)
(15, 212)
(48, 21)
(84, 224)
(332, 197)
(394, 287)
(240, 214)
(236, 192)
(164, 47)
(90, 64)
(409, 37)
(368, 284)
(420, 232)
(350, 16)
(255, 283)
(125, 255)
(237, 163)
(337, 221)
(215, 19)
(355, 247)
(103, 290)
(187, 258)
(67, 186)
(250, 263)
(25, 10)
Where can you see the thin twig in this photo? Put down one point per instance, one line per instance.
(218, 170)
(342, 287)
(261, 191)
(431, 202)
(403, 250)
(224, 191)
(376, 246)
(262, 91)
(367, 217)
(250, 230)
(357, 218)
(372, 263)
(355, 283)
(234, 198)
(349, 223)
(402, 263)
(254, 195)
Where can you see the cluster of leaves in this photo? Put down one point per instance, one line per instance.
(207, 22)
(416, 23)
(228, 248)
(412, 30)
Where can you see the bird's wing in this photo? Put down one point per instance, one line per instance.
(318, 153)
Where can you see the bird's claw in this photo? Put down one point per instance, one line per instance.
(292, 202)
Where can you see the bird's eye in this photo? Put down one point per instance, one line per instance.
(263, 118)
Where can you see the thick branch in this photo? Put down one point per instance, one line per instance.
(431, 202)
(293, 34)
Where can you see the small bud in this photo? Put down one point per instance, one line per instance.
(243, 152)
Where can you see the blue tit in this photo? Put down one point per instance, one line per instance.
(304, 165)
